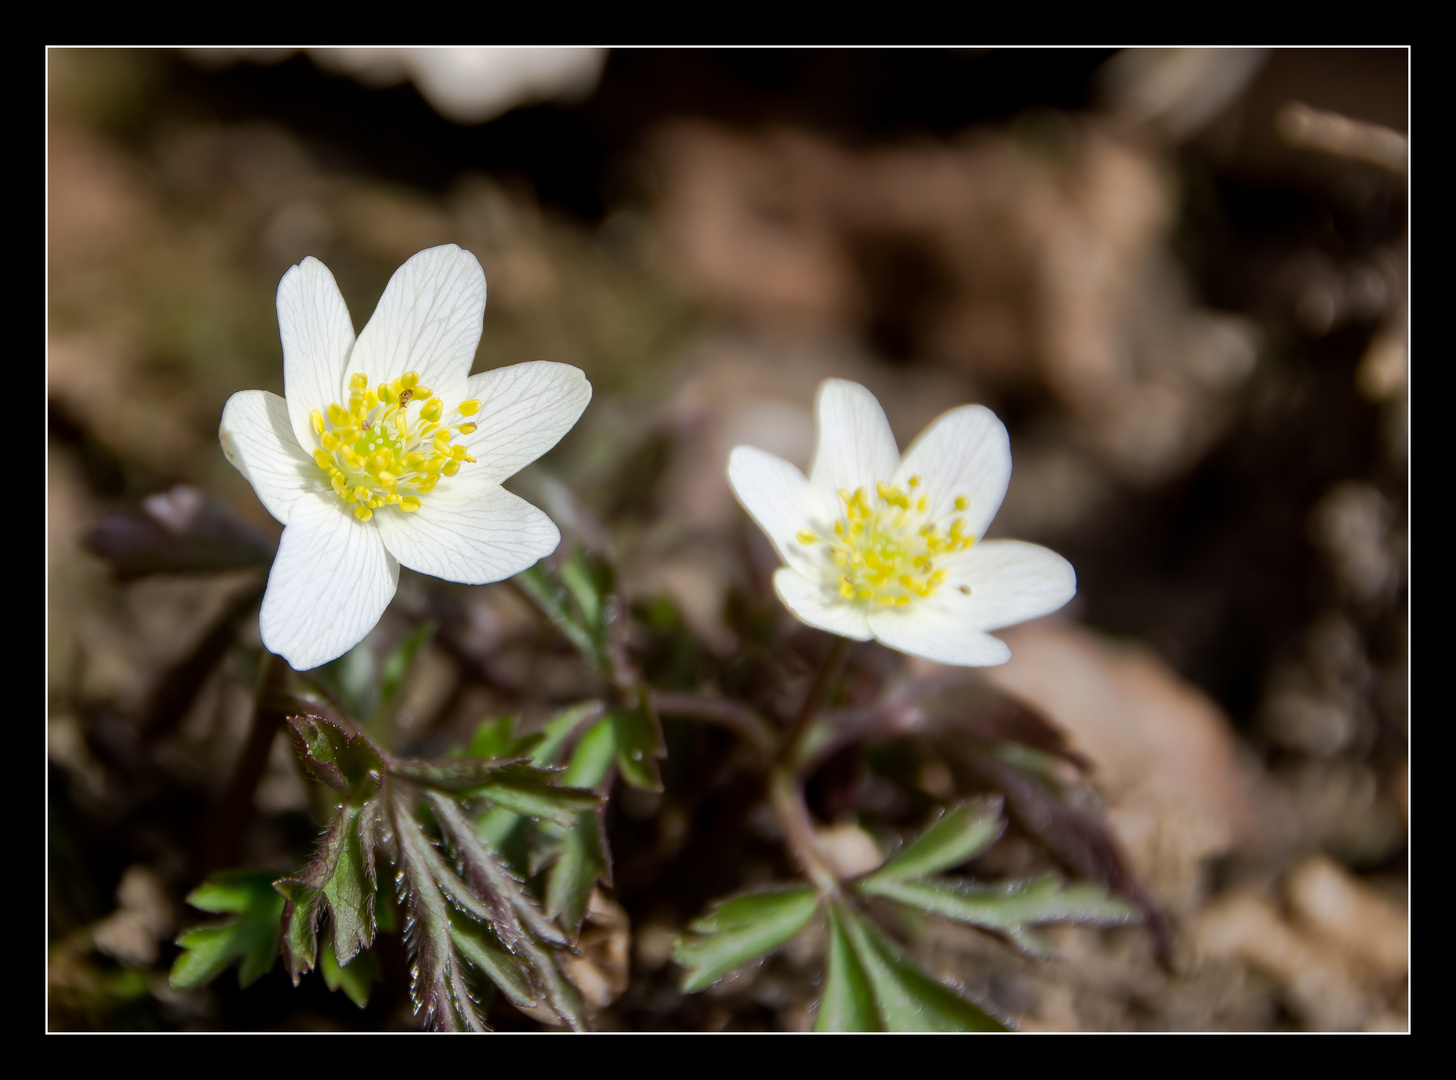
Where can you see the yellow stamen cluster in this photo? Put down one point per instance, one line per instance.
(391, 445)
(886, 549)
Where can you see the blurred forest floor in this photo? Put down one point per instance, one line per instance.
(1193, 329)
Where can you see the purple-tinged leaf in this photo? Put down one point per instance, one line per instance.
(182, 531)
(1076, 837)
(343, 759)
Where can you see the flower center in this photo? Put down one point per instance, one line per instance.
(390, 446)
(885, 550)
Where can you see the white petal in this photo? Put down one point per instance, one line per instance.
(936, 633)
(1010, 582)
(524, 411)
(427, 321)
(318, 335)
(962, 452)
(330, 583)
(854, 446)
(468, 531)
(776, 496)
(821, 608)
(258, 440)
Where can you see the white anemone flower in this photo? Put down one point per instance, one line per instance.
(879, 546)
(385, 451)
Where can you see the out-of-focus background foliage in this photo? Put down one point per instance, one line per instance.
(1179, 277)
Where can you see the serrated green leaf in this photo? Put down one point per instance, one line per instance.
(354, 978)
(741, 930)
(906, 998)
(638, 738)
(340, 877)
(451, 774)
(848, 1002)
(395, 676)
(961, 833)
(581, 862)
(526, 790)
(344, 760)
(1008, 908)
(490, 958)
(349, 893)
(252, 938)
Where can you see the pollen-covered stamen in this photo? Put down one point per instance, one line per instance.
(391, 445)
(884, 550)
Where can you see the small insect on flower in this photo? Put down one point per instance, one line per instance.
(884, 547)
(385, 450)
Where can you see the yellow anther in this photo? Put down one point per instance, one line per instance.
(375, 455)
(915, 481)
(469, 407)
(807, 536)
(961, 502)
(924, 504)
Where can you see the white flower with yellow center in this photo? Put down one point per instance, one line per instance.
(884, 547)
(385, 451)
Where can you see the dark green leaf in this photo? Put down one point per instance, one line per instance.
(1008, 908)
(452, 774)
(478, 945)
(961, 833)
(438, 985)
(340, 877)
(355, 978)
(906, 998)
(848, 1003)
(638, 738)
(580, 864)
(252, 938)
(738, 931)
(344, 760)
(527, 790)
(349, 891)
